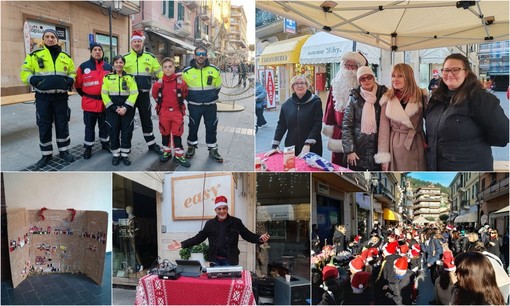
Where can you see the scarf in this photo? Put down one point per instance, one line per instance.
(368, 121)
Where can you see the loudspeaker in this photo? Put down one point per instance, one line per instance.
(295, 292)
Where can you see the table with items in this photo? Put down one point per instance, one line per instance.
(275, 163)
(195, 291)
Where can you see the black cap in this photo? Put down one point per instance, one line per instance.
(94, 44)
(52, 31)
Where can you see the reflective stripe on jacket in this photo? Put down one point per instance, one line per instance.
(52, 75)
(204, 83)
(89, 82)
(143, 68)
(119, 90)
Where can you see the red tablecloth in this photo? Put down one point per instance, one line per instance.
(195, 291)
(275, 163)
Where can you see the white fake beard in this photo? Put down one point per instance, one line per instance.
(344, 81)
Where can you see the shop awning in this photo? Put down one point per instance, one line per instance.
(184, 44)
(503, 210)
(148, 179)
(323, 48)
(283, 52)
(471, 216)
(390, 215)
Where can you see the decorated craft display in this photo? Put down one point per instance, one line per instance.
(56, 241)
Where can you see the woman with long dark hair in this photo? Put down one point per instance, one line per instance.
(476, 281)
(463, 121)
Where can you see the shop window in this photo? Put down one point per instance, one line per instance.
(104, 40)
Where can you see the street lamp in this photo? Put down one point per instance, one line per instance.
(371, 181)
(117, 6)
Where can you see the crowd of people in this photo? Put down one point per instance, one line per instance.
(112, 92)
(466, 266)
(371, 127)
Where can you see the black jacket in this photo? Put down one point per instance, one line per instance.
(400, 291)
(235, 227)
(353, 140)
(460, 137)
(339, 241)
(301, 119)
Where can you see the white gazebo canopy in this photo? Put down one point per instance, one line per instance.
(402, 25)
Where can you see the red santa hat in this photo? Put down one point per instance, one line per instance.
(404, 249)
(401, 264)
(220, 201)
(449, 227)
(357, 238)
(448, 261)
(435, 72)
(415, 251)
(329, 272)
(137, 35)
(360, 282)
(390, 248)
(357, 264)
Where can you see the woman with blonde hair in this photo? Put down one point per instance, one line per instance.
(476, 281)
(401, 141)
(301, 119)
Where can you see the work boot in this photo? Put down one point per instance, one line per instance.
(126, 161)
(213, 152)
(191, 151)
(115, 160)
(155, 148)
(87, 153)
(181, 159)
(68, 157)
(106, 146)
(167, 154)
(45, 159)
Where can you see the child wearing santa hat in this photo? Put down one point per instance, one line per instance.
(334, 287)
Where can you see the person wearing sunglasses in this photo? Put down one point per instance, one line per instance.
(204, 85)
(301, 119)
(463, 121)
(401, 139)
(361, 121)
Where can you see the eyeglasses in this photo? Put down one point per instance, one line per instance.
(201, 54)
(300, 84)
(351, 66)
(366, 78)
(454, 71)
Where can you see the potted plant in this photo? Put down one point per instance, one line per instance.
(196, 252)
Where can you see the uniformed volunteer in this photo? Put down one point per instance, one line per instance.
(51, 72)
(119, 95)
(89, 81)
(143, 66)
(204, 84)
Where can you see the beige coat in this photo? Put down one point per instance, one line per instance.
(401, 139)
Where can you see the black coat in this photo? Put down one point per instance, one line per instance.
(301, 119)
(400, 291)
(353, 140)
(235, 227)
(460, 137)
(339, 241)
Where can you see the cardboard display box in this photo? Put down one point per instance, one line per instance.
(56, 241)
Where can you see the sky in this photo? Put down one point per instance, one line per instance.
(249, 11)
(443, 178)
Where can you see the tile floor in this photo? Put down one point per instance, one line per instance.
(60, 289)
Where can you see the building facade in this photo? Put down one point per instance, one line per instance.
(76, 22)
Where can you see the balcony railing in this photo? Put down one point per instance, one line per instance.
(496, 189)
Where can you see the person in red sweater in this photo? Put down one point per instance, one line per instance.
(89, 80)
(169, 93)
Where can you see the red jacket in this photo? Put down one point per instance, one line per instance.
(170, 85)
(89, 80)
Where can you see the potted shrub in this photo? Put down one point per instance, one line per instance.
(196, 252)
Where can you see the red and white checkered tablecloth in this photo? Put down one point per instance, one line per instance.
(195, 291)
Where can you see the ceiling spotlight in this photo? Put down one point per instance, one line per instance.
(327, 6)
(326, 28)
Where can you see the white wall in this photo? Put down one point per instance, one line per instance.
(81, 191)
(244, 193)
